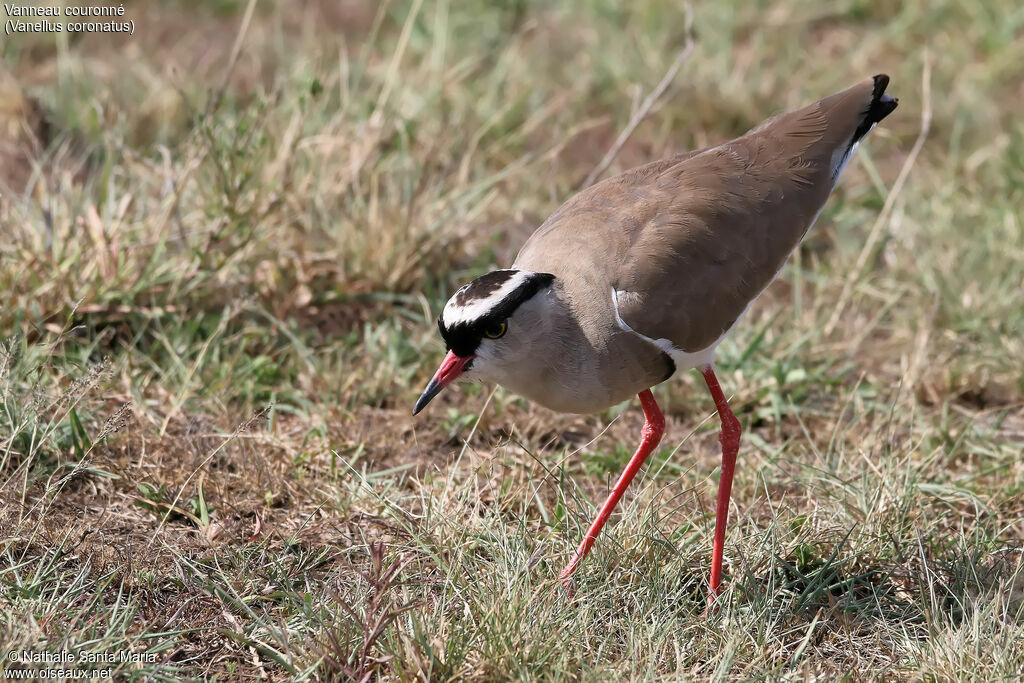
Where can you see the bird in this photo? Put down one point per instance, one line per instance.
(642, 275)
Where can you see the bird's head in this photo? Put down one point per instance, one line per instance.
(489, 326)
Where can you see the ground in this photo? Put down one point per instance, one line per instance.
(224, 241)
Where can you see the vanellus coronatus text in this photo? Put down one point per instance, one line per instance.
(642, 275)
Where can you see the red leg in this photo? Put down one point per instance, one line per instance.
(654, 427)
(730, 440)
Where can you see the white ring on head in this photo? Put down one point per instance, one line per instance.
(453, 313)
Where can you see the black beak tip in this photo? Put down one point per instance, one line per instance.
(432, 390)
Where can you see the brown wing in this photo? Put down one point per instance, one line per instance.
(690, 241)
(731, 216)
(728, 220)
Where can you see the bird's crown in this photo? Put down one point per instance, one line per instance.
(484, 303)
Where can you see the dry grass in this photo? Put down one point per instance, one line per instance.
(219, 277)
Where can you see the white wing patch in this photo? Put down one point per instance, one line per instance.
(841, 157)
(684, 360)
(453, 313)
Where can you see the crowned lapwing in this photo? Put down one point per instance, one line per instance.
(642, 276)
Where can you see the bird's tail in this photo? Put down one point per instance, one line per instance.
(881, 105)
(851, 114)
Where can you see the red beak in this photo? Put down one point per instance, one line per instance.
(451, 367)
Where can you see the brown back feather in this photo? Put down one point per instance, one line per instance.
(691, 240)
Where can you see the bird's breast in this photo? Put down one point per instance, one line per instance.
(588, 375)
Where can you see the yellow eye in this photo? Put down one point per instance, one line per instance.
(496, 330)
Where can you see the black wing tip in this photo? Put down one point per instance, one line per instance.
(881, 104)
(881, 83)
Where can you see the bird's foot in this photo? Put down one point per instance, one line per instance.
(714, 604)
(565, 578)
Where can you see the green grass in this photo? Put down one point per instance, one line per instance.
(218, 283)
